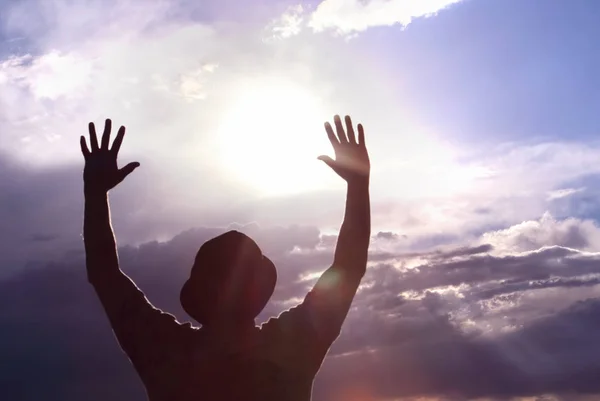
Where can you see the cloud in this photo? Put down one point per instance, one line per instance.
(474, 281)
(514, 189)
(78, 68)
(289, 24)
(430, 358)
(548, 231)
(489, 282)
(49, 76)
(349, 16)
(421, 330)
(171, 79)
(563, 193)
(44, 237)
(192, 84)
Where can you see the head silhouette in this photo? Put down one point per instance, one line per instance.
(231, 280)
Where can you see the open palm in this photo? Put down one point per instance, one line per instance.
(351, 156)
(101, 172)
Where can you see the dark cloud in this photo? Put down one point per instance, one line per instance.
(465, 251)
(431, 357)
(402, 337)
(34, 202)
(387, 235)
(486, 272)
(516, 286)
(44, 237)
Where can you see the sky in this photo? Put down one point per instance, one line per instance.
(481, 122)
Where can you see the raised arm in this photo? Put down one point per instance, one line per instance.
(100, 175)
(128, 310)
(324, 309)
(353, 165)
(333, 293)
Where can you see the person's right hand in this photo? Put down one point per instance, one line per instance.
(351, 157)
(101, 173)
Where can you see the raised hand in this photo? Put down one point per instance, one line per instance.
(351, 157)
(101, 173)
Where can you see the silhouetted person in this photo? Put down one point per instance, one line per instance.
(229, 358)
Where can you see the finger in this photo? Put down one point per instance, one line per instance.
(118, 140)
(106, 134)
(361, 135)
(93, 138)
(332, 138)
(340, 129)
(350, 131)
(84, 149)
(128, 169)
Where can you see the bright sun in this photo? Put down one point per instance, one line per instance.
(271, 137)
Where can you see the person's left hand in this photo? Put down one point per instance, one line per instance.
(351, 156)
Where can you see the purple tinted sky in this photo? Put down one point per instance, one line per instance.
(482, 125)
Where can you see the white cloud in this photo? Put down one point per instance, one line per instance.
(48, 76)
(348, 16)
(143, 68)
(289, 24)
(192, 84)
(564, 193)
(547, 231)
(503, 187)
(140, 68)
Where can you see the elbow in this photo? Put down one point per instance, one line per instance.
(358, 270)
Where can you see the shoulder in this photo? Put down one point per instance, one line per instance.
(287, 323)
(163, 332)
(293, 339)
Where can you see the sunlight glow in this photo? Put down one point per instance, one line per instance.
(271, 138)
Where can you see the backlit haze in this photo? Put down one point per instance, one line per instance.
(482, 123)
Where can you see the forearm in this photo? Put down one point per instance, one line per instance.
(353, 241)
(99, 240)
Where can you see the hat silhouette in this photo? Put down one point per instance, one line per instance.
(230, 278)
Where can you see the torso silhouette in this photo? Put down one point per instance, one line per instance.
(178, 362)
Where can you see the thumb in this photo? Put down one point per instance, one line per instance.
(128, 169)
(328, 160)
(331, 163)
